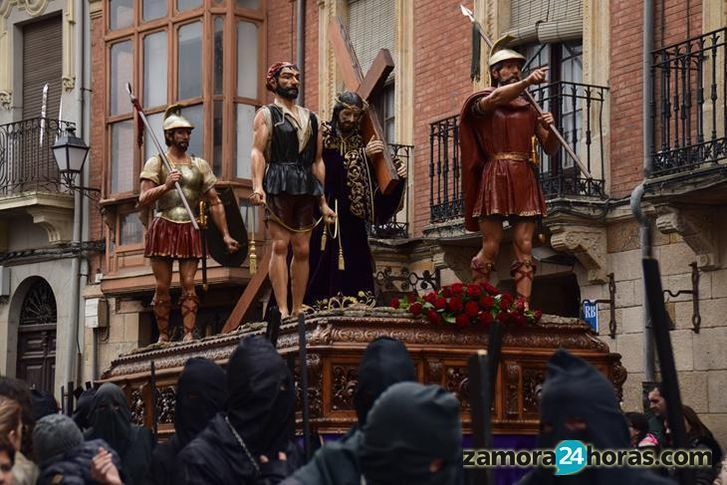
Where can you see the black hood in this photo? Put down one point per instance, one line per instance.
(261, 402)
(201, 393)
(409, 427)
(43, 404)
(83, 409)
(575, 390)
(110, 418)
(385, 362)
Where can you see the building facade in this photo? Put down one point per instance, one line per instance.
(42, 43)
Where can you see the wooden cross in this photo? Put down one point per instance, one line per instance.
(367, 87)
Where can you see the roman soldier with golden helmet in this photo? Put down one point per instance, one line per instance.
(171, 234)
(498, 129)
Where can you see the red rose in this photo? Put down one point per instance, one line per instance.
(505, 301)
(503, 317)
(394, 303)
(457, 289)
(455, 304)
(537, 315)
(447, 292)
(440, 303)
(520, 305)
(411, 298)
(518, 320)
(462, 321)
(434, 317)
(471, 308)
(486, 319)
(430, 297)
(474, 290)
(489, 288)
(487, 302)
(416, 308)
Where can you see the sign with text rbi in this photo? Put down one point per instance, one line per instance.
(590, 314)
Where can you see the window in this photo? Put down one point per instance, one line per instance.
(204, 54)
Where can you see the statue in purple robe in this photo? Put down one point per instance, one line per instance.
(341, 262)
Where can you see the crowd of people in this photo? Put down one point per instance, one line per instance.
(238, 426)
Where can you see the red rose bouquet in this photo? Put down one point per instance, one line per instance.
(471, 305)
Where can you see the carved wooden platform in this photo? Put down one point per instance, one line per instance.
(336, 341)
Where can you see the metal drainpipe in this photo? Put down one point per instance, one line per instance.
(638, 193)
(300, 49)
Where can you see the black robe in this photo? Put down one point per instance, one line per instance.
(351, 181)
(201, 394)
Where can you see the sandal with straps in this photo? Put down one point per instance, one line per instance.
(188, 304)
(520, 270)
(481, 269)
(162, 307)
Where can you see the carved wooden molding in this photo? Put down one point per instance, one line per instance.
(587, 243)
(69, 46)
(696, 226)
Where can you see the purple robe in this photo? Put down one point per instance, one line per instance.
(351, 181)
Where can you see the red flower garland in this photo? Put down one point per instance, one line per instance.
(472, 305)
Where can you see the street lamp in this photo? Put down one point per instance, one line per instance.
(70, 153)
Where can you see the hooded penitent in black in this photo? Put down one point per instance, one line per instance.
(201, 394)
(385, 362)
(259, 419)
(83, 409)
(410, 427)
(574, 390)
(110, 421)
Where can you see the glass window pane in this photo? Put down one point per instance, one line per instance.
(188, 4)
(247, 65)
(217, 125)
(248, 3)
(122, 69)
(155, 121)
(153, 9)
(132, 232)
(122, 156)
(155, 69)
(190, 60)
(121, 14)
(195, 114)
(219, 39)
(245, 115)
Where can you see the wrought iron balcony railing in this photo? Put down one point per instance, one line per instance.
(578, 109)
(394, 229)
(689, 107)
(27, 163)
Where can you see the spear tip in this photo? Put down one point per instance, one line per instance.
(467, 12)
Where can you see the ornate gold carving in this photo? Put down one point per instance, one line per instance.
(458, 383)
(434, 371)
(362, 301)
(533, 379)
(136, 406)
(587, 243)
(697, 227)
(166, 403)
(512, 387)
(345, 382)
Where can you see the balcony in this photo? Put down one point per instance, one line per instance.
(689, 107)
(29, 178)
(578, 109)
(395, 228)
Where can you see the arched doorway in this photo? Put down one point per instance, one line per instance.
(36, 362)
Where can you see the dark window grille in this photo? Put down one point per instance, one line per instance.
(27, 163)
(394, 229)
(689, 107)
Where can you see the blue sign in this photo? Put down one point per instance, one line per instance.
(590, 314)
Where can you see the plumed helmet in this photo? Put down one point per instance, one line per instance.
(500, 53)
(173, 118)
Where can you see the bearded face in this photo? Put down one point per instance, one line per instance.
(287, 82)
(178, 137)
(507, 73)
(348, 120)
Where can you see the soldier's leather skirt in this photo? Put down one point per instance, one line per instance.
(167, 239)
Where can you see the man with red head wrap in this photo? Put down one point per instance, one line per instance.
(287, 177)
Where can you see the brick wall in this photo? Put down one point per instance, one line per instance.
(627, 77)
(442, 39)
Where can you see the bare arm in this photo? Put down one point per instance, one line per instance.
(259, 142)
(319, 168)
(505, 94)
(151, 192)
(545, 135)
